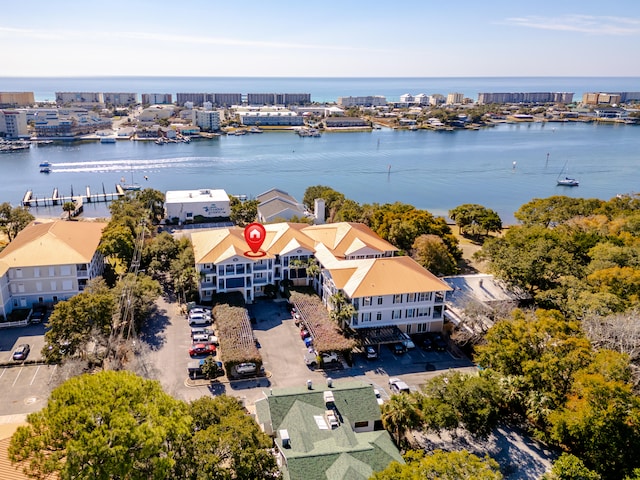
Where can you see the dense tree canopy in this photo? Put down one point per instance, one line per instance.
(116, 425)
(13, 219)
(475, 220)
(439, 465)
(431, 252)
(243, 213)
(102, 426)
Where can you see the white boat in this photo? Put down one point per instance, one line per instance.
(45, 170)
(131, 187)
(566, 181)
(107, 139)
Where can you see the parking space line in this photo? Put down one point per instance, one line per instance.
(17, 377)
(34, 375)
(3, 370)
(53, 370)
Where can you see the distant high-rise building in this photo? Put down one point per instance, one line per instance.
(16, 99)
(208, 120)
(455, 98)
(79, 98)
(13, 123)
(226, 99)
(197, 99)
(599, 98)
(157, 98)
(525, 97)
(120, 99)
(366, 101)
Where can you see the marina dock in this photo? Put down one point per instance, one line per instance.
(31, 200)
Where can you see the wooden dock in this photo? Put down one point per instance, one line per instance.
(30, 200)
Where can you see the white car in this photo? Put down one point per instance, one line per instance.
(398, 386)
(378, 396)
(246, 368)
(407, 342)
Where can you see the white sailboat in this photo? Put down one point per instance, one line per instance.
(566, 180)
(131, 187)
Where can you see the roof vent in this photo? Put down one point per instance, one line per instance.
(286, 441)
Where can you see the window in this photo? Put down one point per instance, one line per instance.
(439, 297)
(235, 282)
(379, 300)
(53, 286)
(409, 328)
(65, 270)
(425, 296)
(362, 424)
(396, 314)
(366, 302)
(230, 269)
(221, 270)
(411, 297)
(221, 284)
(411, 312)
(379, 316)
(397, 298)
(18, 273)
(67, 285)
(424, 312)
(240, 269)
(21, 287)
(52, 271)
(36, 272)
(366, 317)
(39, 287)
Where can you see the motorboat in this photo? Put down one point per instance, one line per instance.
(568, 182)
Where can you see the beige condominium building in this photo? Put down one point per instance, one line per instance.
(49, 262)
(385, 289)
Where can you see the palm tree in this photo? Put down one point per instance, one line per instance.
(399, 415)
(342, 310)
(68, 207)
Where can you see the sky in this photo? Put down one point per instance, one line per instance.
(320, 38)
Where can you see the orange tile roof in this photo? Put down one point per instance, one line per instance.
(53, 243)
(346, 238)
(389, 276)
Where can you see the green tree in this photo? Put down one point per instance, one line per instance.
(243, 213)
(225, 443)
(211, 369)
(341, 310)
(102, 426)
(158, 253)
(117, 245)
(475, 219)
(533, 258)
(84, 318)
(68, 207)
(399, 415)
(431, 252)
(333, 200)
(458, 465)
(13, 219)
(555, 210)
(570, 467)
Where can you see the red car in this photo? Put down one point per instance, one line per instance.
(202, 349)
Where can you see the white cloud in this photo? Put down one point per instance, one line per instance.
(595, 25)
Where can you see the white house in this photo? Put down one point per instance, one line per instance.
(185, 205)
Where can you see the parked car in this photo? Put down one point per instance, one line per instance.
(378, 396)
(202, 349)
(330, 357)
(201, 330)
(407, 342)
(304, 333)
(439, 342)
(371, 352)
(426, 343)
(246, 368)
(398, 386)
(199, 319)
(397, 348)
(199, 311)
(37, 316)
(21, 352)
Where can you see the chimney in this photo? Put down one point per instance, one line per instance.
(318, 210)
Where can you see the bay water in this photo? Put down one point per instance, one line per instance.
(501, 167)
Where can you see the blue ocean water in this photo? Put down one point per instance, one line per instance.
(501, 167)
(321, 89)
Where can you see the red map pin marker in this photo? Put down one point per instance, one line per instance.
(255, 234)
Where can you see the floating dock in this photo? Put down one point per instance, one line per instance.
(30, 200)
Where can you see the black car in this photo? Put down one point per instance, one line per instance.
(397, 348)
(426, 344)
(439, 342)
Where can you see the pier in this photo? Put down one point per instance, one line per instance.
(30, 200)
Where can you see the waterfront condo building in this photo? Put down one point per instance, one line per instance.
(85, 99)
(49, 262)
(455, 98)
(207, 120)
(386, 290)
(525, 97)
(16, 99)
(226, 99)
(13, 124)
(157, 98)
(278, 98)
(120, 99)
(366, 101)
